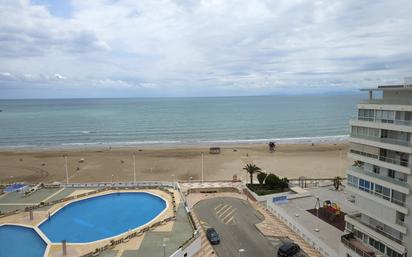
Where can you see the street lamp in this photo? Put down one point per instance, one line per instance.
(112, 178)
(173, 181)
(202, 167)
(241, 251)
(134, 167)
(164, 250)
(67, 170)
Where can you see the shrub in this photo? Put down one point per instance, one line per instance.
(274, 181)
(261, 177)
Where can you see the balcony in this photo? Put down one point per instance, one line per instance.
(357, 246)
(373, 195)
(395, 122)
(385, 101)
(372, 174)
(384, 140)
(357, 218)
(399, 162)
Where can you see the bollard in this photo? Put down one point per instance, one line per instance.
(64, 247)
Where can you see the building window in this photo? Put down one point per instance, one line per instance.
(377, 245)
(383, 192)
(366, 114)
(365, 185)
(398, 197)
(392, 253)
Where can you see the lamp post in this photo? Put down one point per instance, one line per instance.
(202, 167)
(173, 181)
(241, 251)
(134, 168)
(67, 170)
(164, 250)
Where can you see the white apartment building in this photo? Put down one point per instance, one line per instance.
(379, 182)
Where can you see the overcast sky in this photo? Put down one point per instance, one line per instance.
(129, 48)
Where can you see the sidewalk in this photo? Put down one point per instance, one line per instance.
(272, 226)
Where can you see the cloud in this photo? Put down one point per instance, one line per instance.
(29, 30)
(207, 47)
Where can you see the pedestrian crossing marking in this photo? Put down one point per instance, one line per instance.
(231, 221)
(218, 206)
(226, 214)
(228, 209)
(222, 208)
(229, 214)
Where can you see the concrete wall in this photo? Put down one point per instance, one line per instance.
(190, 250)
(264, 198)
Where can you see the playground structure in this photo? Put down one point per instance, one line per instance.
(331, 209)
(330, 212)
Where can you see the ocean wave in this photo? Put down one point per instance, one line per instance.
(190, 142)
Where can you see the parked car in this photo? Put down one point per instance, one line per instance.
(288, 249)
(212, 236)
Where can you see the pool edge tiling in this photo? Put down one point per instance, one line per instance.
(89, 215)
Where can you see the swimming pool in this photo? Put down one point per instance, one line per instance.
(19, 241)
(102, 217)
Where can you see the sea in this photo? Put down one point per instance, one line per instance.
(74, 123)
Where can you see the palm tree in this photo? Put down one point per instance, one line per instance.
(337, 181)
(251, 169)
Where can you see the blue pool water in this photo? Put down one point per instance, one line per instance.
(102, 217)
(18, 241)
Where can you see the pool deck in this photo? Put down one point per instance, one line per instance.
(172, 233)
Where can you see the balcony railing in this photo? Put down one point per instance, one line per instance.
(357, 217)
(383, 140)
(378, 194)
(355, 245)
(381, 158)
(396, 122)
(383, 101)
(378, 176)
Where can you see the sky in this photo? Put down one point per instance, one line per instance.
(167, 48)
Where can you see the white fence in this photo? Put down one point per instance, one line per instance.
(307, 235)
(121, 184)
(190, 249)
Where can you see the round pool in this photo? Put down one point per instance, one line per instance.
(19, 241)
(102, 217)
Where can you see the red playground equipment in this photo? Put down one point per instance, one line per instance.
(333, 209)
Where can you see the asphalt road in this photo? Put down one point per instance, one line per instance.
(234, 220)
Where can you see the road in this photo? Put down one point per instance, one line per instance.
(234, 220)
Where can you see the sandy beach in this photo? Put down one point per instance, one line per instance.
(167, 164)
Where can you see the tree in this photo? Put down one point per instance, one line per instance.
(261, 177)
(337, 181)
(251, 169)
